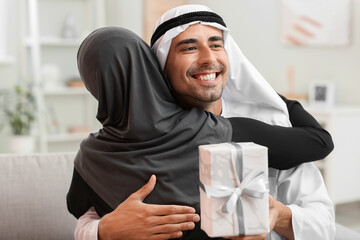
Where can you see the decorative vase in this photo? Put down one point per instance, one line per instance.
(69, 29)
(22, 144)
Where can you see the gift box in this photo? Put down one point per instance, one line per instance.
(234, 189)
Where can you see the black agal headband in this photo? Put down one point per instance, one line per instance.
(203, 16)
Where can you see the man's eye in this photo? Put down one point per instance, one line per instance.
(190, 48)
(217, 46)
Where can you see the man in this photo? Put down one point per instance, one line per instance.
(197, 68)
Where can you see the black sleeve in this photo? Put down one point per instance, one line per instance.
(288, 147)
(81, 197)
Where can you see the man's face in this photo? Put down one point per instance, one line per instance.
(197, 65)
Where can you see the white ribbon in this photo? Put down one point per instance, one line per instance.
(254, 185)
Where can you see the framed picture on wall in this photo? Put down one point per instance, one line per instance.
(316, 23)
(322, 93)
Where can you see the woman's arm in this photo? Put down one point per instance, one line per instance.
(288, 147)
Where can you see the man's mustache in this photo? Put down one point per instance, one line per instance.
(210, 68)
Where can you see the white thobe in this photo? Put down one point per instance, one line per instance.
(302, 189)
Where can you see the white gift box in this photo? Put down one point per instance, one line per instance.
(234, 189)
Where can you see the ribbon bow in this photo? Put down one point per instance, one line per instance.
(253, 185)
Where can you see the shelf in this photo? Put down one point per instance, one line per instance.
(66, 137)
(56, 42)
(68, 105)
(66, 91)
(6, 59)
(60, 42)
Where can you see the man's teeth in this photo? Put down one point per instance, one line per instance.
(207, 77)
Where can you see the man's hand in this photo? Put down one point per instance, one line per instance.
(280, 222)
(136, 220)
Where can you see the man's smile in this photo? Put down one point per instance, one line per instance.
(206, 76)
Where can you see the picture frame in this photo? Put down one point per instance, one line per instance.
(322, 94)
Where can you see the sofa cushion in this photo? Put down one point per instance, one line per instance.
(33, 192)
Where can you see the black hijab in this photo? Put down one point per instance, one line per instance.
(144, 130)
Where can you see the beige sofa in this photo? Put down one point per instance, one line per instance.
(33, 198)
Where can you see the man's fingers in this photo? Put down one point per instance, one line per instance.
(142, 193)
(171, 228)
(175, 218)
(160, 210)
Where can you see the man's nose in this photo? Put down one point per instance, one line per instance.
(206, 56)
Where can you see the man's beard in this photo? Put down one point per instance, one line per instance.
(211, 95)
(195, 99)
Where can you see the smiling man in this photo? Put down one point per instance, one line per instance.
(197, 67)
(207, 69)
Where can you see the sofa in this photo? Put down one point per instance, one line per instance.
(33, 190)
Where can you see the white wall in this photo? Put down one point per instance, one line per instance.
(256, 26)
(8, 42)
(124, 13)
(3, 26)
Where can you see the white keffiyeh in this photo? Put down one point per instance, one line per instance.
(247, 93)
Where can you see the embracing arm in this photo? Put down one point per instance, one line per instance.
(133, 219)
(305, 141)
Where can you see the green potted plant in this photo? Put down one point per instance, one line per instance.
(19, 110)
